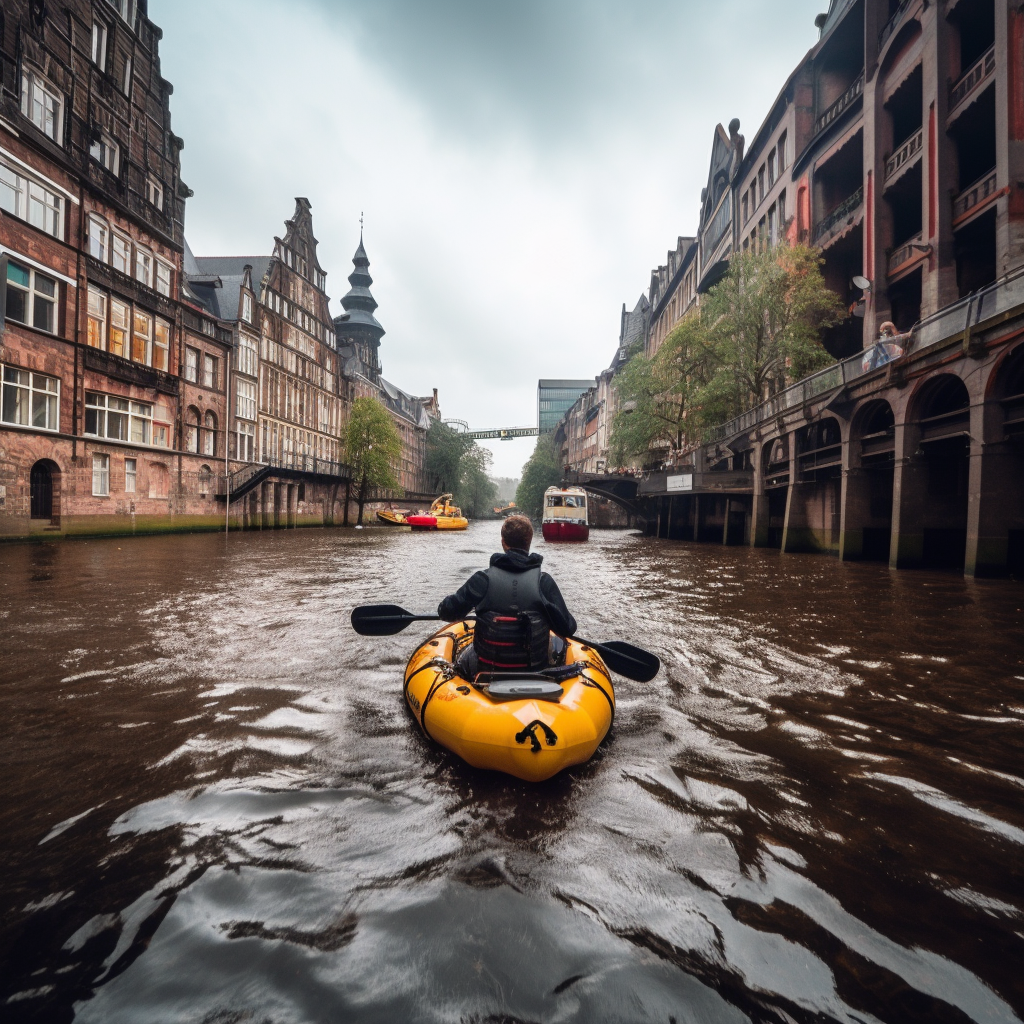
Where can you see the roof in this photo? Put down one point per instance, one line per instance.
(582, 384)
(217, 280)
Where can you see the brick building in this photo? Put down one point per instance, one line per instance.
(92, 418)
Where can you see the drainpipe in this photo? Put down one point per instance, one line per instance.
(227, 434)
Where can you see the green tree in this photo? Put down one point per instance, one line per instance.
(542, 470)
(763, 322)
(373, 447)
(443, 461)
(477, 491)
(657, 394)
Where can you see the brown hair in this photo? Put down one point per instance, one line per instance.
(517, 532)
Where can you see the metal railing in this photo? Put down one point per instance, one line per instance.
(842, 212)
(290, 461)
(904, 153)
(840, 105)
(977, 73)
(999, 297)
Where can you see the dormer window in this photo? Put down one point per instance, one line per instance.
(247, 307)
(42, 104)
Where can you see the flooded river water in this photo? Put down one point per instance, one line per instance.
(216, 807)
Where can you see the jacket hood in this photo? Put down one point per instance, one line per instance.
(515, 560)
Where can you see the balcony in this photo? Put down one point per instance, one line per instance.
(968, 85)
(911, 251)
(841, 105)
(129, 372)
(892, 24)
(904, 155)
(977, 195)
(840, 217)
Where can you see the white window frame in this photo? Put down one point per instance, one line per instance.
(106, 152)
(99, 45)
(245, 399)
(126, 80)
(33, 296)
(245, 443)
(100, 475)
(161, 344)
(121, 322)
(30, 201)
(97, 307)
(29, 399)
(47, 117)
(155, 192)
(131, 475)
(135, 419)
(191, 369)
(121, 245)
(209, 433)
(164, 276)
(209, 371)
(99, 238)
(144, 266)
(140, 316)
(247, 307)
(125, 8)
(248, 355)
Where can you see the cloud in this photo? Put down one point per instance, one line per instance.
(522, 166)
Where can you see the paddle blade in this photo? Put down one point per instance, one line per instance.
(381, 619)
(629, 661)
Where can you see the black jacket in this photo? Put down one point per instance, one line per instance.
(469, 595)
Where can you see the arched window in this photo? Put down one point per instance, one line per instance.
(210, 434)
(157, 480)
(192, 422)
(205, 477)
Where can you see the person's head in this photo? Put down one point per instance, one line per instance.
(517, 532)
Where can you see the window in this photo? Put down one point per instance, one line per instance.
(142, 338)
(248, 356)
(772, 168)
(96, 334)
(191, 365)
(245, 404)
(126, 78)
(782, 210)
(246, 441)
(205, 479)
(106, 151)
(118, 419)
(760, 184)
(144, 267)
(121, 253)
(746, 209)
(163, 278)
(781, 148)
(192, 430)
(42, 105)
(101, 475)
(210, 434)
(30, 399)
(119, 320)
(247, 307)
(30, 201)
(155, 192)
(131, 474)
(772, 227)
(99, 44)
(31, 298)
(161, 345)
(753, 196)
(209, 371)
(98, 238)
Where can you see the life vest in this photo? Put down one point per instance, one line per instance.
(512, 631)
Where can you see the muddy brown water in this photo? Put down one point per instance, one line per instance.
(216, 807)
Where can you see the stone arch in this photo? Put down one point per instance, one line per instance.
(44, 490)
(205, 479)
(1007, 377)
(945, 394)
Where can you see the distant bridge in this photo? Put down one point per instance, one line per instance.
(498, 433)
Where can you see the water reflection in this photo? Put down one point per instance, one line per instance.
(218, 809)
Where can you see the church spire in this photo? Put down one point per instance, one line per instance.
(359, 296)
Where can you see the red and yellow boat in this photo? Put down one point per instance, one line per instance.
(443, 515)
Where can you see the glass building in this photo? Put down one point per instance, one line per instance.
(555, 397)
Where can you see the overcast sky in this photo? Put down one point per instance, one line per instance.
(522, 165)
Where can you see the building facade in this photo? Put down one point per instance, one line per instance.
(93, 434)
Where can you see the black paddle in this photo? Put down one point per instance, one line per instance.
(389, 619)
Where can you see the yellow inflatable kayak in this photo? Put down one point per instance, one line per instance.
(514, 727)
(443, 515)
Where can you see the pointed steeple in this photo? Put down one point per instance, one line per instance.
(357, 329)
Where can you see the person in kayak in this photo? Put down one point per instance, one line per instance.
(520, 614)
